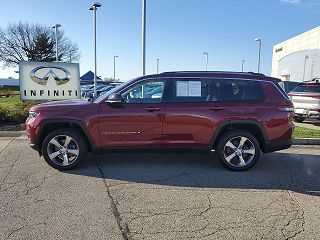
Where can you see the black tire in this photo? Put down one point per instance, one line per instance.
(235, 137)
(299, 119)
(78, 143)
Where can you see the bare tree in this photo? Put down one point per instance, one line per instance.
(34, 42)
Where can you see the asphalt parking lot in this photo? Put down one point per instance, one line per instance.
(159, 196)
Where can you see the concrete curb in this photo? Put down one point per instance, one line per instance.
(11, 133)
(306, 141)
(297, 141)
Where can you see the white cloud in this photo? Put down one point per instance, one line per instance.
(291, 1)
(305, 3)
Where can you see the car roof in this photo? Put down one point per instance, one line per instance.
(215, 74)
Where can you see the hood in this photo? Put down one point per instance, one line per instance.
(58, 104)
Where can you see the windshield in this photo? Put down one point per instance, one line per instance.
(102, 96)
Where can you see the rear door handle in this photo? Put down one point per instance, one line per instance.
(216, 108)
(152, 109)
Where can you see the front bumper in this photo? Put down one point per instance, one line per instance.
(32, 131)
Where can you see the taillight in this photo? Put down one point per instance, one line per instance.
(285, 108)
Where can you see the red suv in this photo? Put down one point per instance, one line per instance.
(236, 114)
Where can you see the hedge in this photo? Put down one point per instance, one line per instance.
(17, 115)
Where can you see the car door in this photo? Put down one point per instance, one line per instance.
(138, 120)
(193, 111)
(233, 90)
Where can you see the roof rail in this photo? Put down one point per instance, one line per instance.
(253, 73)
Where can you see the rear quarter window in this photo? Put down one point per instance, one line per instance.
(242, 90)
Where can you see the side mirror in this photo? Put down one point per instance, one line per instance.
(114, 98)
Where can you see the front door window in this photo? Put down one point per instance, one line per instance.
(145, 92)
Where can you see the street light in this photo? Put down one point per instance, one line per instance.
(144, 16)
(259, 40)
(158, 65)
(70, 56)
(242, 65)
(94, 9)
(207, 59)
(304, 66)
(114, 67)
(55, 27)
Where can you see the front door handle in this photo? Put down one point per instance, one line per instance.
(217, 108)
(152, 109)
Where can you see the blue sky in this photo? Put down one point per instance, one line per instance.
(178, 31)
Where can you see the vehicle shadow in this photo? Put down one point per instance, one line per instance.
(274, 171)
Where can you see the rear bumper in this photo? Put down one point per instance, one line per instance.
(314, 114)
(276, 146)
(304, 112)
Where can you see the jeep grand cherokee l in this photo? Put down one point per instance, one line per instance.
(236, 114)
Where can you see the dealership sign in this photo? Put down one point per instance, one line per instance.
(49, 80)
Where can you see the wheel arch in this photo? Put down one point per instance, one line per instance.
(50, 125)
(253, 127)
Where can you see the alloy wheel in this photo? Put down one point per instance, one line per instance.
(63, 150)
(239, 151)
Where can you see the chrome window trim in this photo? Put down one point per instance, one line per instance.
(245, 79)
(141, 80)
(181, 77)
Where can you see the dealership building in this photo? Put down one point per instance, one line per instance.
(298, 58)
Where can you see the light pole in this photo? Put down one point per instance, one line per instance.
(94, 9)
(207, 59)
(242, 68)
(259, 41)
(158, 65)
(55, 27)
(70, 56)
(114, 67)
(144, 17)
(304, 66)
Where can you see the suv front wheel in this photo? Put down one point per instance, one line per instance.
(64, 149)
(238, 150)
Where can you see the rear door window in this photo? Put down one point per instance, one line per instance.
(195, 90)
(242, 90)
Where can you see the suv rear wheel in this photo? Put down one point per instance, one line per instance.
(64, 149)
(238, 150)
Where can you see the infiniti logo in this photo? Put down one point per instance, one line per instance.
(42, 79)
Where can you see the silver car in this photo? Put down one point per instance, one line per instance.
(306, 100)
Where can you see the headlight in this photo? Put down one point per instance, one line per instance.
(33, 114)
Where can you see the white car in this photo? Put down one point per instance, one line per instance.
(306, 100)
